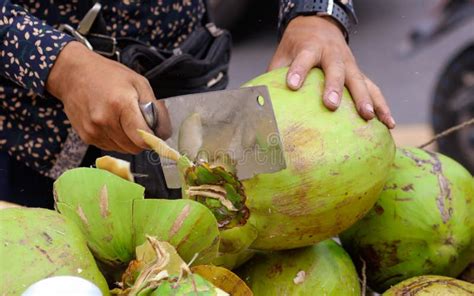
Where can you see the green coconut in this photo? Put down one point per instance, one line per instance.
(423, 222)
(38, 243)
(431, 285)
(115, 218)
(323, 269)
(337, 164)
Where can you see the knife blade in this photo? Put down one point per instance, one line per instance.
(235, 128)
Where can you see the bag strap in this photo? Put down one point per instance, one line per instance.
(98, 25)
(92, 30)
(83, 7)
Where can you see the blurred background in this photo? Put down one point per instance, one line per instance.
(405, 46)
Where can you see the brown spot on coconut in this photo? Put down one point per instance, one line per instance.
(82, 215)
(104, 202)
(178, 223)
(378, 209)
(408, 187)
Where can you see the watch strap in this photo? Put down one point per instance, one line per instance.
(341, 11)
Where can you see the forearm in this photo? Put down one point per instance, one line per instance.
(28, 47)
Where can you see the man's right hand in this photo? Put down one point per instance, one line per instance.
(101, 99)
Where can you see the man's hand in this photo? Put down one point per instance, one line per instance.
(314, 41)
(101, 98)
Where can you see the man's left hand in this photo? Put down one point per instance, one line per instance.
(315, 41)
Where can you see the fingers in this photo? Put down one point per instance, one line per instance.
(131, 119)
(381, 108)
(279, 60)
(164, 123)
(118, 136)
(334, 71)
(300, 67)
(105, 132)
(355, 81)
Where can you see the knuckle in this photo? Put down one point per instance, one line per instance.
(145, 81)
(297, 67)
(338, 64)
(378, 93)
(98, 119)
(142, 80)
(92, 132)
(357, 76)
(338, 78)
(306, 52)
(116, 103)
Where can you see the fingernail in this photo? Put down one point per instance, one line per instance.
(333, 97)
(369, 108)
(392, 121)
(295, 80)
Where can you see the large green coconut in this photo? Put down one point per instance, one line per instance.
(337, 164)
(431, 285)
(323, 269)
(38, 243)
(423, 222)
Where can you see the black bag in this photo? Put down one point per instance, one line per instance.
(199, 64)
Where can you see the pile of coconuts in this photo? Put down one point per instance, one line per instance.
(404, 216)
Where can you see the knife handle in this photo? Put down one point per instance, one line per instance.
(150, 114)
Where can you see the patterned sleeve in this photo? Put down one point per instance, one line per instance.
(28, 47)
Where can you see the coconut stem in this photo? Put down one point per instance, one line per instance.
(159, 146)
(212, 191)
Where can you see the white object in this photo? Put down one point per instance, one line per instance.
(63, 285)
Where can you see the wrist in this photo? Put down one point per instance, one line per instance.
(65, 67)
(331, 20)
(315, 22)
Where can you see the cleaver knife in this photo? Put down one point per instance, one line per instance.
(236, 128)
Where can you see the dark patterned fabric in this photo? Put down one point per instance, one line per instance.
(33, 127)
